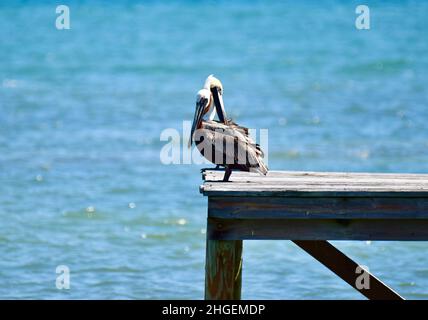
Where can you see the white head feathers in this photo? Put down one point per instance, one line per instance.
(213, 82)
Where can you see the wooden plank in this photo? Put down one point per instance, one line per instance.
(316, 184)
(218, 175)
(244, 190)
(346, 269)
(318, 229)
(317, 208)
(223, 270)
(284, 186)
(326, 182)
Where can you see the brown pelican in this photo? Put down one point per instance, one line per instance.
(223, 142)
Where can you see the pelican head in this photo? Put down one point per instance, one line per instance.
(203, 106)
(216, 88)
(213, 83)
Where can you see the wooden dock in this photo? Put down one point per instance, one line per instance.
(309, 208)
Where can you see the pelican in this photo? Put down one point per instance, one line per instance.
(223, 142)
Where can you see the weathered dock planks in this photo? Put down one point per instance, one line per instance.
(313, 184)
(309, 208)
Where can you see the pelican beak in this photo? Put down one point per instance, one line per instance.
(196, 120)
(219, 106)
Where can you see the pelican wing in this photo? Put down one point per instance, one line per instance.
(235, 130)
(234, 147)
(244, 131)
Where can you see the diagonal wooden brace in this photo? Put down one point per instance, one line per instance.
(345, 268)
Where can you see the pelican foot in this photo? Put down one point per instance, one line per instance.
(227, 174)
(217, 168)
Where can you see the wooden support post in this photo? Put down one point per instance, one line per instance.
(223, 270)
(345, 268)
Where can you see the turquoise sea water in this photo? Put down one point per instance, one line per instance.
(81, 112)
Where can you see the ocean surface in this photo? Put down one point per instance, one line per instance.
(82, 111)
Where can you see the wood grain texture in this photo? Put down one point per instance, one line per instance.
(315, 184)
(223, 270)
(218, 174)
(317, 208)
(318, 229)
